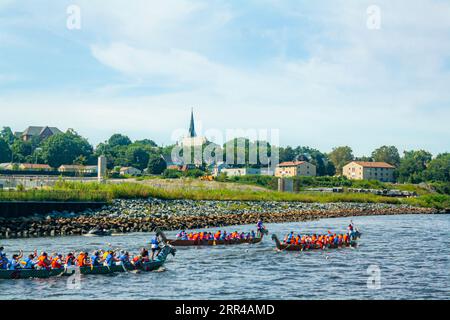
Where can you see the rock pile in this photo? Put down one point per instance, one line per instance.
(124, 216)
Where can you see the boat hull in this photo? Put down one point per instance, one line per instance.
(293, 247)
(190, 243)
(31, 273)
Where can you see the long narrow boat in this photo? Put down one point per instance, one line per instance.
(300, 247)
(189, 243)
(34, 273)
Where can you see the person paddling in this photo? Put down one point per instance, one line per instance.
(14, 263)
(57, 261)
(155, 247)
(29, 262)
(260, 227)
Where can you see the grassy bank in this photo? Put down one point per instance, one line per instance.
(135, 190)
(53, 195)
(302, 183)
(75, 191)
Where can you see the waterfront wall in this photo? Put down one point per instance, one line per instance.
(26, 208)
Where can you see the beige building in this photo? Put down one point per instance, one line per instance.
(130, 171)
(233, 172)
(295, 168)
(362, 170)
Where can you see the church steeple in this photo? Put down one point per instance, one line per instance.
(192, 133)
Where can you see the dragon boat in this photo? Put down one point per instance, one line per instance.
(213, 242)
(48, 273)
(302, 247)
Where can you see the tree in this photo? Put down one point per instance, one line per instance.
(22, 150)
(65, 149)
(387, 154)
(5, 151)
(413, 165)
(118, 140)
(146, 142)
(340, 156)
(439, 168)
(7, 135)
(287, 154)
(137, 157)
(156, 164)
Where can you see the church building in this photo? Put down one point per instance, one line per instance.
(192, 140)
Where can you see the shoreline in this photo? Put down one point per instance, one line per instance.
(145, 215)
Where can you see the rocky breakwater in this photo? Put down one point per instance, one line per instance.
(124, 216)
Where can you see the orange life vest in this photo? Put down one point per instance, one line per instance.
(56, 263)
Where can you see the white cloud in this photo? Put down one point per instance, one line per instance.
(351, 85)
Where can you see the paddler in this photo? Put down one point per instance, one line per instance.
(124, 258)
(14, 263)
(82, 259)
(110, 259)
(57, 261)
(70, 260)
(3, 262)
(155, 247)
(43, 261)
(95, 259)
(260, 227)
(29, 262)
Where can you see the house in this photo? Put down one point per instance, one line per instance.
(78, 169)
(130, 171)
(40, 132)
(233, 172)
(295, 169)
(363, 170)
(217, 168)
(33, 167)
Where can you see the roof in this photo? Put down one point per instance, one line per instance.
(35, 166)
(367, 164)
(36, 131)
(192, 133)
(291, 163)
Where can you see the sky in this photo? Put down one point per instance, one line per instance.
(323, 73)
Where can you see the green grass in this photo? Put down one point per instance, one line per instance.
(76, 191)
(53, 195)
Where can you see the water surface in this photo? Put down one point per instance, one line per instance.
(412, 253)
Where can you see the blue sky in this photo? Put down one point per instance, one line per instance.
(312, 69)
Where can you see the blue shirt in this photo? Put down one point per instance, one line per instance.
(95, 260)
(13, 265)
(109, 259)
(29, 264)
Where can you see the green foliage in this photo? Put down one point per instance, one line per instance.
(439, 201)
(412, 166)
(340, 156)
(438, 169)
(323, 164)
(5, 152)
(156, 164)
(172, 174)
(387, 154)
(137, 157)
(65, 148)
(7, 135)
(118, 140)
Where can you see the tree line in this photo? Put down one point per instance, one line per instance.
(413, 166)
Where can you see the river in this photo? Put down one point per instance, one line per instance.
(410, 253)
